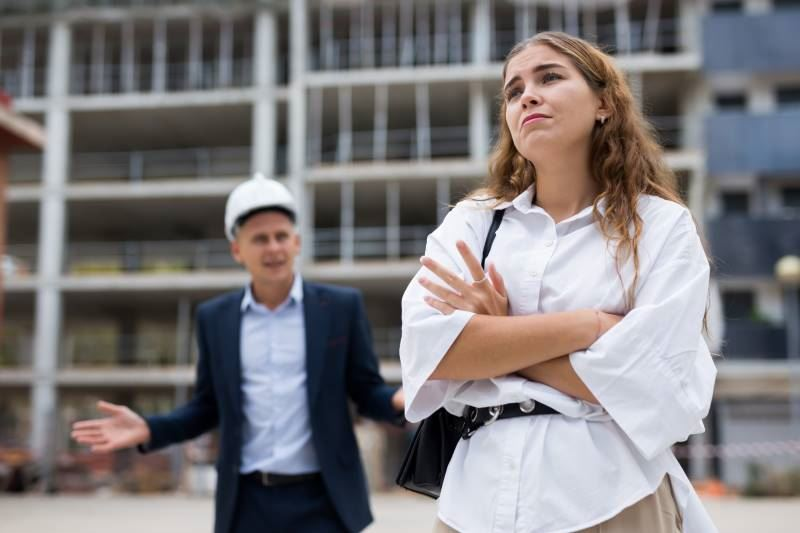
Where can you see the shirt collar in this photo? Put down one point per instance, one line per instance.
(524, 204)
(295, 294)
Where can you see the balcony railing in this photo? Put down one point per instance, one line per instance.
(115, 78)
(110, 349)
(12, 81)
(745, 143)
(757, 246)
(15, 350)
(19, 261)
(371, 242)
(750, 43)
(749, 339)
(349, 53)
(154, 257)
(202, 162)
(400, 144)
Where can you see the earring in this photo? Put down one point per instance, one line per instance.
(602, 120)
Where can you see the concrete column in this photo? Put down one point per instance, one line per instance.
(455, 38)
(652, 19)
(128, 57)
(344, 148)
(326, 36)
(442, 198)
(347, 231)
(52, 220)
(225, 59)
(422, 101)
(690, 13)
(526, 15)
(98, 59)
(28, 62)
(571, 17)
(298, 49)
(481, 31)
(183, 357)
(367, 35)
(622, 23)
(393, 219)
(479, 124)
(380, 133)
(315, 105)
(159, 81)
(264, 106)
(388, 35)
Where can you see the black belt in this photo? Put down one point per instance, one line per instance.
(268, 479)
(476, 417)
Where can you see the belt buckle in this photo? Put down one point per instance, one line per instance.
(471, 422)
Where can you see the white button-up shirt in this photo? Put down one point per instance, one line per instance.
(652, 373)
(276, 433)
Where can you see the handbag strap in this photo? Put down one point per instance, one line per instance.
(487, 246)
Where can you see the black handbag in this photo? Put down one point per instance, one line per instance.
(426, 460)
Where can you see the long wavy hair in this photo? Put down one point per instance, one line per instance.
(626, 159)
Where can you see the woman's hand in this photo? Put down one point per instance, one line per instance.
(485, 296)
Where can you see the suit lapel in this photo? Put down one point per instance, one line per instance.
(316, 312)
(230, 342)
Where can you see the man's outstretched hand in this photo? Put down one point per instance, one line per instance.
(122, 428)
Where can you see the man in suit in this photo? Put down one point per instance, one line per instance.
(278, 361)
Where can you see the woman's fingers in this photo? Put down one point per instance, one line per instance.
(451, 297)
(439, 305)
(96, 423)
(497, 280)
(110, 408)
(455, 282)
(474, 266)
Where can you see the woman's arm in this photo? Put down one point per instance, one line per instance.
(492, 344)
(559, 374)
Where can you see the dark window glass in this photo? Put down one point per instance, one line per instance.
(735, 203)
(780, 4)
(731, 102)
(738, 304)
(788, 96)
(726, 6)
(791, 197)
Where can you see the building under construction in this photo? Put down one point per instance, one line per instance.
(378, 116)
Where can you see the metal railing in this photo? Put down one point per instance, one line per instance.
(92, 258)
(111, 349)
(371, 242)
(143, 165)
(401, 144)
(116, 78)
(11, 81)
(348, 53)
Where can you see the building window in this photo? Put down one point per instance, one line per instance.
(782, 4)
(735, 203)
(788, 96)
(727, 6)
(738, 304)
(731, 102)
(790, 197)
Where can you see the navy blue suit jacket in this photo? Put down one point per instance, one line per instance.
(340, 364)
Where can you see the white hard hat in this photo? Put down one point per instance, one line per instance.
(254, 194)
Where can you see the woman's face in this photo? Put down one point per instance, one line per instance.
(549, 106)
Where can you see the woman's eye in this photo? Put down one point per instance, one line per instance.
(512, 93)
(550, 76)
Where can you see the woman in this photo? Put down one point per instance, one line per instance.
(599, 267)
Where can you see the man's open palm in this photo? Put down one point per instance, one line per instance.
(122, 428)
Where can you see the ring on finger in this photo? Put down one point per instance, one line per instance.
(477, 281)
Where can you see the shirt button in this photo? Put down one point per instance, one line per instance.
(535, 274)
(548, 244)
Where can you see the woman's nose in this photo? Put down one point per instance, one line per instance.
(530, 98)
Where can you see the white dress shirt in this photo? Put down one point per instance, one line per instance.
(652, 373)
(276, 434)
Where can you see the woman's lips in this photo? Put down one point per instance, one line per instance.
(536, 117)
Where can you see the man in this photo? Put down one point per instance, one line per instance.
(278, 361)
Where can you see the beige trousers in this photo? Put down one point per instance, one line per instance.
(656, 513)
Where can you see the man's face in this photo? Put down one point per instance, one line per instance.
(266, 245)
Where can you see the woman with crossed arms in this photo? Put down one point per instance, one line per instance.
(592, 306)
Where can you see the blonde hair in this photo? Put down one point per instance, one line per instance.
(625, 158)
